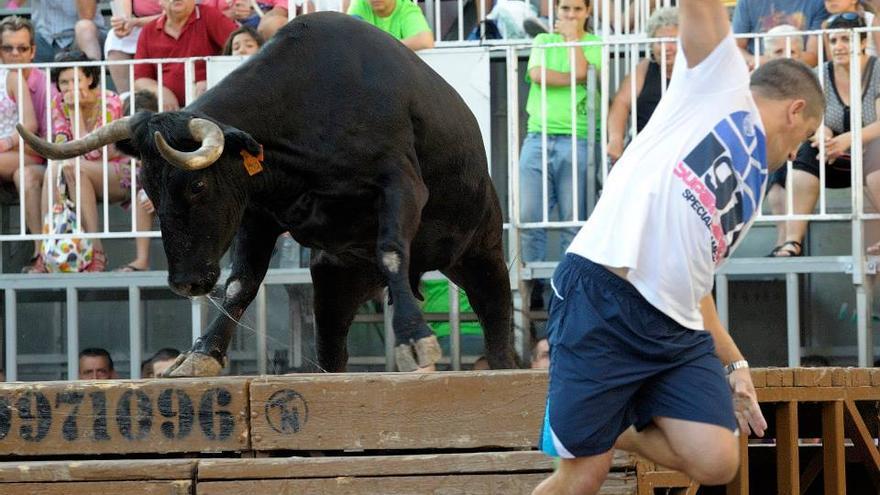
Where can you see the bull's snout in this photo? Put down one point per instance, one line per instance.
(190, 284)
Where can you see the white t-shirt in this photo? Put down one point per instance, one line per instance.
(687, 188)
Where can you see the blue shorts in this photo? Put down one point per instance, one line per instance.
(616, 361)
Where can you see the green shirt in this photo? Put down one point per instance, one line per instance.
(559, 97)
(405, 20)
(436, 294)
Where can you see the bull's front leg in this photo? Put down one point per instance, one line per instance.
(399, 217)
(251, 254)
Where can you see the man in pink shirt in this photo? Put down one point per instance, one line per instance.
(183, 30)
(17, 47)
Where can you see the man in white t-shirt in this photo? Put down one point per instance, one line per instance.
(637, 351)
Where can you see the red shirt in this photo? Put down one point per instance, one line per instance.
(204, 34)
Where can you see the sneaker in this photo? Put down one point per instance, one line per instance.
(535, 26)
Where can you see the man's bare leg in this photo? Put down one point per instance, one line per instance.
(707, 453)
(580, 476)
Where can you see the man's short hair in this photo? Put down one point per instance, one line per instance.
(787, 79)
(144, 101)
(164, 354)
(783, 29)
(97, 352)
(15, 23)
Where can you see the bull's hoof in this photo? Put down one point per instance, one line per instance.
(193, 364)
(419, 354)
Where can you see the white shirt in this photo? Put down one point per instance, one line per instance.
(687, 188)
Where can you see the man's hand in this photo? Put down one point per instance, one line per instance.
(745, 403)
(837, 146)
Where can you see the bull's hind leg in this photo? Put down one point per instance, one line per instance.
(484, 278)
(400, 212)
(250, 260)
(339, 289)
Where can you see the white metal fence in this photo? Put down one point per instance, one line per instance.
(619, 56)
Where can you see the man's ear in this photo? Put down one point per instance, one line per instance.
(797, 107)
(237, 140)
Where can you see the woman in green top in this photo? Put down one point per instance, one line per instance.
(553, 67)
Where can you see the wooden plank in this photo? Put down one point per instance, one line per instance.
(522, 484)
(398, 410)
(393, 465)
(177, 487)
(774, 377)
(105, 470)
(740, 484)
(812, 377)
(806, 394)
(834, 462)
(840, 378)
(861, 438)
(861, 377)
(102, 417)
(875, 377)
(759, 377)
(787, 455)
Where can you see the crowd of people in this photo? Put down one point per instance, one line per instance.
(558, 121)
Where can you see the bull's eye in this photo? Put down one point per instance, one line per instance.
(197, 187)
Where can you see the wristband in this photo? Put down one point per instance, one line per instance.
(736, 365)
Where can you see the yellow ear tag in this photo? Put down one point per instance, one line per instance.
(253, 164)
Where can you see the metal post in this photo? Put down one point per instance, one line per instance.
(722, 301)
(793, 319)
(388, 314)
(454, 328)
(262, 346)
(11, 337)
(72, 334)
(199, 315)
(134, 331)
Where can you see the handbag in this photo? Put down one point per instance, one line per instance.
(67, 254)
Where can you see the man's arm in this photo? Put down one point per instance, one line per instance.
(748, 412)
(702, 26)
(420, 41)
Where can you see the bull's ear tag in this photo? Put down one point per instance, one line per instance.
(253, 164)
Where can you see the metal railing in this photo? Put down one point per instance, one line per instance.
(619, 56)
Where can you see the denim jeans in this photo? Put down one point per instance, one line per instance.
(559, 189)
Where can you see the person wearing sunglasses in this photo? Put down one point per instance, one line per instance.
(17, 47)
(863, 8)
(837, 134)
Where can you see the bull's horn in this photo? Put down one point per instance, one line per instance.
(116, 130)
(202, 130)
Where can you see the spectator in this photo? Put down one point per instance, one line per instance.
(95, 364)
(17, 47)
(183, 30)
(649, 82)
(143, 101)
(837, 135)
(436, 300)
(759, 16)
(243, 41)
(541, 355)
(271, 17)
(402, 19)
(64, 112)
(129, 17)
(160, 361)
(63, 23)
(571, 20)
(838, 6)
(780, 47)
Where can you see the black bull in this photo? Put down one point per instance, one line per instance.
(369, 157)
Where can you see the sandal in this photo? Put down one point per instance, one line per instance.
(783, 250)
(129, 268)
(99, 262)
(35, 265)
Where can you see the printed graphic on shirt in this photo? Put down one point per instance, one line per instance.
(724, 178)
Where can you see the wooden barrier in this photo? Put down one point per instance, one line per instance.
(470, 432)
